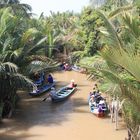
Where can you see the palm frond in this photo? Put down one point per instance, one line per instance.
(113, 38)
(132, 24)
(40, 66)
(28, 35)
(122, 58)
(10, 79)
(37, 46)
(120, 10)
(21, 81)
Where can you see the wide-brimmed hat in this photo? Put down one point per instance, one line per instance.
(72, 80)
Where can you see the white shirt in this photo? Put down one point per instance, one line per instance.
(102, 102)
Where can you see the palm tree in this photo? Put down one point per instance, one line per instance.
(18, 46)
(123, 68)
(10, 82)
(17, 7)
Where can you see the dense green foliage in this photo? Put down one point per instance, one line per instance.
(107, 44)
(120, 36)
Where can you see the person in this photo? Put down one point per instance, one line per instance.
(39, 78)
(50, 79)
(101, 102)
(66, 66)
(91, 101)
(62, 66)
(36, 76)
(95, 87)
(72, 84)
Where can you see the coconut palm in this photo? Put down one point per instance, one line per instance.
(17, 7)
(18, 46)
(123, 69)
(10, 82)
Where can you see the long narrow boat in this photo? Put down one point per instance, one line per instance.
(100, 109)
(42, 89)
(63, 93)
(76, 68)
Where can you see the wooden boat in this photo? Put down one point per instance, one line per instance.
(98, 108)
(42, 89)
(63, 93)
(76, 68)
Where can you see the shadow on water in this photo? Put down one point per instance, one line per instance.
(6, 136)
(33, 112)
(34, 119)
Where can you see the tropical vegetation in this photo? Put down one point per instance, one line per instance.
(104, 38)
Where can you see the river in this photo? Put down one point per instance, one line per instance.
(68, 120)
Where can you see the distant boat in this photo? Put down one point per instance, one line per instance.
(76, 68)
(63, 93)
(42, 89)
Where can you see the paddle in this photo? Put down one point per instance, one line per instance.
(44, 99)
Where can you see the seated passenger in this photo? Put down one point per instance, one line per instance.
(50, 79)
(72, 84)
(96, 87)
(92, 102)
(66, 66)
(98, 99)
(36, 76)
(62, 66)
(102, 102)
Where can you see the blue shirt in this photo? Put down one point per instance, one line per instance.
(50, 79)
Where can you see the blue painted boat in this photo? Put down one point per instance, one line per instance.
(42, 89)
(63, 93)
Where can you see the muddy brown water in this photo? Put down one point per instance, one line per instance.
(68, 120)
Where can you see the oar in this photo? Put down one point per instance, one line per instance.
(44, 99)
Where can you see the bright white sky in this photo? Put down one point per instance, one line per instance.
(39, 6)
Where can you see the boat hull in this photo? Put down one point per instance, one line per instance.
(96, 109)
(42, 89)
(63, 94)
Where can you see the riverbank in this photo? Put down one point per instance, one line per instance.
(71, 119)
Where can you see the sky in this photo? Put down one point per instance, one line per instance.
(39, 6)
